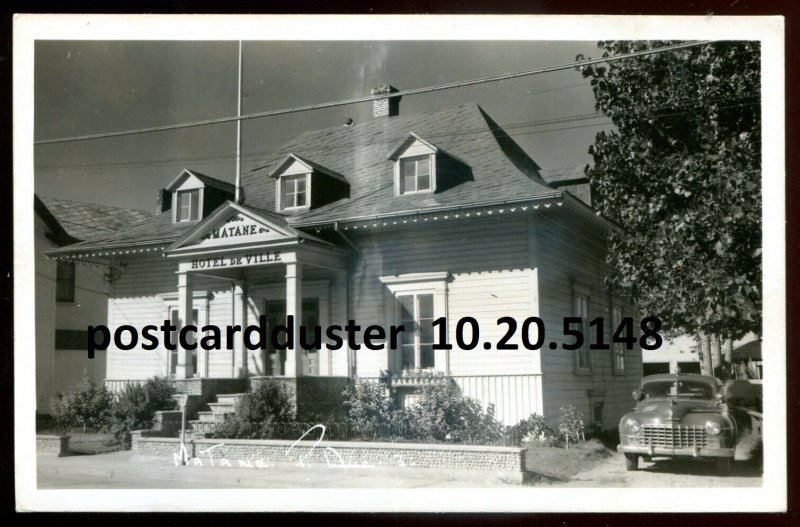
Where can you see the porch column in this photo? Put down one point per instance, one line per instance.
(183, 369)
(294, 306)
(239, 319)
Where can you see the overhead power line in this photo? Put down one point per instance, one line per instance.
(356, 100)
(513, 130)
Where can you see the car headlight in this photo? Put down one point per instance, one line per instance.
(633, 425)
(713, 428)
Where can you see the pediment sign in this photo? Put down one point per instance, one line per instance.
(234, 228)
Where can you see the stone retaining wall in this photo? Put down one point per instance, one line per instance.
(53, 444)
(506, 463)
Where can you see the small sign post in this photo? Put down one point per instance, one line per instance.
(182, 398)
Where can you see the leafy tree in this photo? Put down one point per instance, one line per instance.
(681, 176)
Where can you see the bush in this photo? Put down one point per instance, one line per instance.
(86, 406)
(370, 408)
(443, 413)
(256, 413)
(535, 430)
(137, 404)
(570, 423)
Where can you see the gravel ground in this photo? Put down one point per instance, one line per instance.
(665, 472)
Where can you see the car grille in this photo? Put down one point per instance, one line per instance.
(673, 436)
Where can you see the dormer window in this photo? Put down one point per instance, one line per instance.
(415, 174)
(415, 161)
(421, 167)
(302, 184)
(294, 191)
(188, 205)
(191, 196)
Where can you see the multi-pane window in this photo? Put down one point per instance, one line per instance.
(618, 348)
(294, 192)
(65, 282)
(188, 205)
(583, 355)
(415, 174)
(416, 315)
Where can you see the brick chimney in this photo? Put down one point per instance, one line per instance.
(386, 106)
(164, 201)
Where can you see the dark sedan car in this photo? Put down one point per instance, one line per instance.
(678, 415)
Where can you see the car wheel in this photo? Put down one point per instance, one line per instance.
(724, 466)
(631, 462)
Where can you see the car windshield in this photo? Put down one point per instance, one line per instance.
(678, 388)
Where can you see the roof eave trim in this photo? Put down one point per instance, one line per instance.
(106, 250)
(552, 196)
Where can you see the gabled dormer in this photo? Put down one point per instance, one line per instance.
(193, 195)
(422, 167)
(302, 185)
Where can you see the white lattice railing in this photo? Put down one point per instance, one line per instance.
(115, 386)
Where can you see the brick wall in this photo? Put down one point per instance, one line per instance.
(206, 387)
(505, 462)
(53, 444)
(167, 420)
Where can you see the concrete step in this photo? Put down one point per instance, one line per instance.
(222, 408)
(207, 417)
(229, 398)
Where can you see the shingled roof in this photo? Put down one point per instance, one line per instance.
(83, 221)
(499, 171)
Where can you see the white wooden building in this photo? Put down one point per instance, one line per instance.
(69, 297)
(403, 219)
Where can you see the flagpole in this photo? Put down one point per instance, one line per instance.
(239, 131)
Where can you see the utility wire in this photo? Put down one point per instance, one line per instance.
(344, 102)
(644, 113)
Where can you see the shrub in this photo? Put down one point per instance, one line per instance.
(570, 423)
(443, 413)
(86, 406)
(536, 429)
(137, 404)
(370, 408)
(257, 411)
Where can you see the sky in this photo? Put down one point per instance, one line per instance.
(89, 87)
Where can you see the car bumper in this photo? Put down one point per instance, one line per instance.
(685, 451)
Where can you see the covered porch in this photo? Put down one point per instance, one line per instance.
(248, 271)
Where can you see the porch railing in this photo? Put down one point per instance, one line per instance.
(115, 386)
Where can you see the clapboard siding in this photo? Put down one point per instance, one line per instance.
(515, 397)
(491, 277)
(567, 252)
(138, 300)
(57, 371)
(45, 291)
(134, 301)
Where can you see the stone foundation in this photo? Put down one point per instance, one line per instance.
(506, 463)
(53, 444)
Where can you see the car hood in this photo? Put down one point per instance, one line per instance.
(675, 409)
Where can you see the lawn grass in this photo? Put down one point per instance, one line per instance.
(556, 463)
